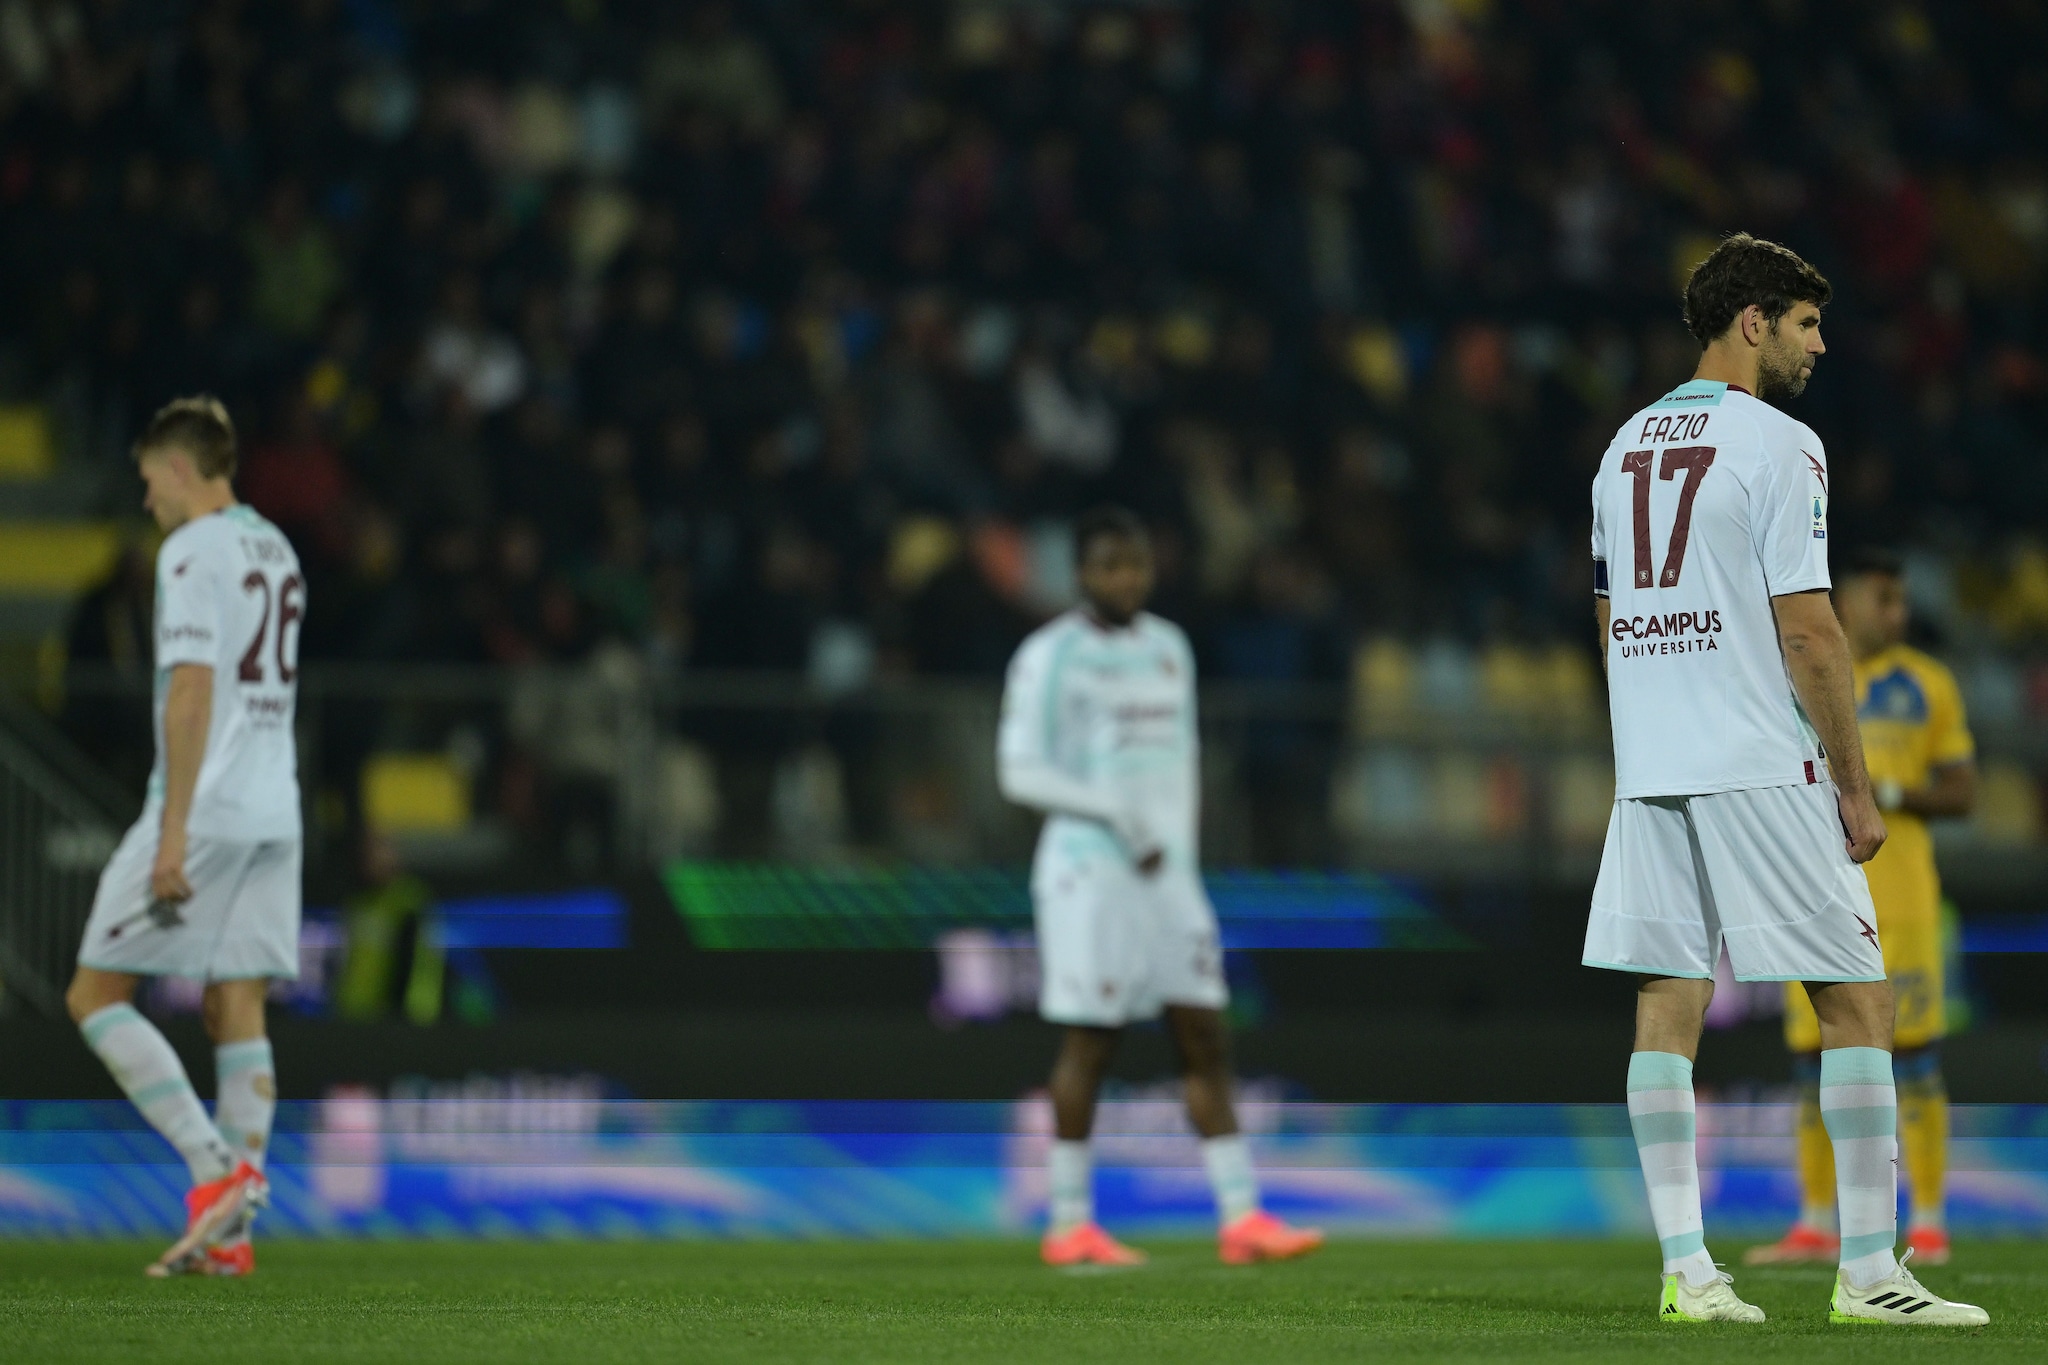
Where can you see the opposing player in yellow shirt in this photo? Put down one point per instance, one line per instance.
(1923, 766)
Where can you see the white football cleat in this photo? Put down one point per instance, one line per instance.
(1901, 1299)
(1714, 1301)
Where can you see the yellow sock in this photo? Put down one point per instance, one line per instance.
(1816, 1165)
(1923, 1143)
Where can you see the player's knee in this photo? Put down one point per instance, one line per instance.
(232, 1011)
(88, 994)
(212, 1012)
(1088, 1050)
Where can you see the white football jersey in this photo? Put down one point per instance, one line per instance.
(229, 595)
(1708, 504)
(1105, 719)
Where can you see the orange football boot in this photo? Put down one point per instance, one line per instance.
(1804, 1244)
(210, 1209)
(1930, 1245)
(1087, 1244)
(1259, 1236)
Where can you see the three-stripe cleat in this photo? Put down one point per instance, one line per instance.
(1902, 1300)
(1713, 1301)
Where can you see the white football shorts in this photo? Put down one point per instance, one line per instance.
(242, 920)
(1115, 947)
(1765, 871)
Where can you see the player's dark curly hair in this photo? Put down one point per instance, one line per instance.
(1746, 270)
(1106, 520)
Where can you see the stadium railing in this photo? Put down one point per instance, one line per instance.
(605, 767)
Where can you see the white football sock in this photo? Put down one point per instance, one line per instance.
(146, 1068)
(1229, 1160)
(1861, 1110)
(1660, 1111)
(247, 1097)
(1071, 1168)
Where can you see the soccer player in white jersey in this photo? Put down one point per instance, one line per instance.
(206, 883)
(1098, 733)
(1742, 806)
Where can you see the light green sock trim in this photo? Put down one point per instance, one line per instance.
(161, 1090)
(232, 1058)
(1658, 1071)
(1874, 1121)
(1651, 1129)
(1683, 1245)
(1855, 1066)
(1867, 1244)
(101, 1021)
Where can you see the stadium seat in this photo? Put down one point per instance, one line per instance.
(415, 794)
(1382, 683)
(2008, 805)
(1581, 799)
(26, 449)
(55, 558)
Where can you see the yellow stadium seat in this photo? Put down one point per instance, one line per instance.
(2008, 804)
(1461, 796)
(414, 794)
(26, 448)
(1569, 683)
(1511, 681)
(56, 558)
(1581, 799)
(1382, 682)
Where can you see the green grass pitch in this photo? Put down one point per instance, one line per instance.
(594, 1303)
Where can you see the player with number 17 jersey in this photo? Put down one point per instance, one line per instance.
(1708, 504)
(230, 597)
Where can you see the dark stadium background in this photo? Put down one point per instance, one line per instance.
(681, 410)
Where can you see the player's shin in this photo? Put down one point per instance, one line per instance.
(1070, 1170)
(247, 1097)
(1860, 1107)
(1660, 1111)
(148, 1070)
(1229, 1163)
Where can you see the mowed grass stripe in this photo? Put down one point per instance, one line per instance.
(505, 1303)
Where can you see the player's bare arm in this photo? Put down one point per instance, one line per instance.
(1038, 785)
(188, 712)
(1817, 657)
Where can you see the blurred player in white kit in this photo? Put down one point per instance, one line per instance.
(1098, 733)
(206, 882)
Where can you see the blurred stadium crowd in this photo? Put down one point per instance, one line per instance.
(787, 335)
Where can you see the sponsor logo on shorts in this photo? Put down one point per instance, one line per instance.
(1869, 929)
